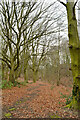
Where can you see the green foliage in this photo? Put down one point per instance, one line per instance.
(6, 84)
(63, 96)
(68, 98)
(16, 84)
(59, 103)
(8, 115)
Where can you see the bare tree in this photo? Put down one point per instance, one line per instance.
(22, 23)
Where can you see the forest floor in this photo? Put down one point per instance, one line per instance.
(37, 100)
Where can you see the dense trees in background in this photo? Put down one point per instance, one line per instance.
(27, 32)
(22, 24)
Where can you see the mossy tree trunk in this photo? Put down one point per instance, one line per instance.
(12, 72)
(74, 47)
(25, 58)
(34, 71)
(25, 75)
(3, 70)
(35, 76)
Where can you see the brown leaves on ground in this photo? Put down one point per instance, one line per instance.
(36, 100)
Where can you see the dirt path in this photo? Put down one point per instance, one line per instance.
(36, 100)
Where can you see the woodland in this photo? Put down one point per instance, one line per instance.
(40, 59)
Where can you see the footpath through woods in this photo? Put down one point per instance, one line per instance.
(36, 100)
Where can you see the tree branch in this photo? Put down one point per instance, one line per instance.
(62, 3)
(75, 3)
(74, 9)
(6, 62)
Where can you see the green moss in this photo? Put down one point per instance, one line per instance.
(69, 105)
(74, 104)
(8, 115)
(12, 109)
(55, 116)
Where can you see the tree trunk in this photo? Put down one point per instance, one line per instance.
(74, 47)
(25, 76)
(34, 76)
(3, 70)
(58, 64)
(58, 80)
(12, 73)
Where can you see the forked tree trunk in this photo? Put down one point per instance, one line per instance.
(74, 47)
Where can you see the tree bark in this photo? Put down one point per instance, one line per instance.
(35, 76)
(25, 76)
(74, 47)
(3, 70)
(12, 72)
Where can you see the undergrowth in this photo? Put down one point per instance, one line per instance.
(8, 84)
(5, 84)
(67, 98)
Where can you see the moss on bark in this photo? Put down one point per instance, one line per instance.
(74, 47)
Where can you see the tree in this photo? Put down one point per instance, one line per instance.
(74, 47)
(39, 50)
(20, 24)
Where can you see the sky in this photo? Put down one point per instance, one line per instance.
(51, 1)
